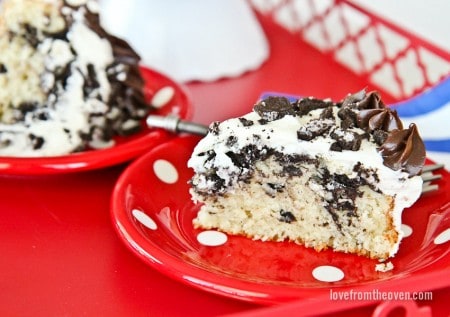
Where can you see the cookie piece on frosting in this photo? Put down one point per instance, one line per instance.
(67, 85)
(322, 174)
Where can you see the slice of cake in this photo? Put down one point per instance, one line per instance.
(322, 174)
(66, 84)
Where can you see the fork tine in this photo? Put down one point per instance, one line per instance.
(428, 177)
(430, 168)
(429, 188)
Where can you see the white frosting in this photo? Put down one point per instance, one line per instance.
(68, 113)
(281, 135)
(58, 53)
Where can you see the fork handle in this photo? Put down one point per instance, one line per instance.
(175, 124)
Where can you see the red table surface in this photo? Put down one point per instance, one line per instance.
(59, 253)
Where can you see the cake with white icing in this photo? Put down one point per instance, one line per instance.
(323, 174)
(66, 84)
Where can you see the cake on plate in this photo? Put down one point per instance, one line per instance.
(321, 173)
(67, 85)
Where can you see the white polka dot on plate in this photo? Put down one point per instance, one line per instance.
(328, 273)
(162, 97)
(165, 171)
(443, 237)
(212, 238)
(144, 219)
(407, 230)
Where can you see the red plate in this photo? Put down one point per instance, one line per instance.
(126, 148)
(152, 213)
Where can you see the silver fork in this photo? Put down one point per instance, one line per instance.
(428, 176)
(174, 124)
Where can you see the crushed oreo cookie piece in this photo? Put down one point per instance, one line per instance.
(344, 192)
(380, 136)
(292, 164)
(327, 113)
(36, 141)
(4, 142)
(31, 35)
(313, 129)
(348, 118)
(26, 107)
(210, 155)
(217, 184)
(306, 105)
(246, 122)
(274, 108)
(214, 128)
(304, 134)
(231, 140)
(286, 216)
(272, 189)
(90, 81)
(248, 155)
(345, 140)
(277, 187)
(367, 176)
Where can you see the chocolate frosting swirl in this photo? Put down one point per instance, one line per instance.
(373, 114)
(384, 119)
(352, 99)
(404, 149)
(372, 100)
(401, 148)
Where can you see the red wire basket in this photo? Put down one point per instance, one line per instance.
(380, 52)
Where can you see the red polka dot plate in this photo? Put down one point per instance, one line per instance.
(152, 212)
(171, 98)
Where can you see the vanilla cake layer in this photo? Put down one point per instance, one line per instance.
(322, 174)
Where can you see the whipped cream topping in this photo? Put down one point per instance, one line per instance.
(281, 136)
(78, 66)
